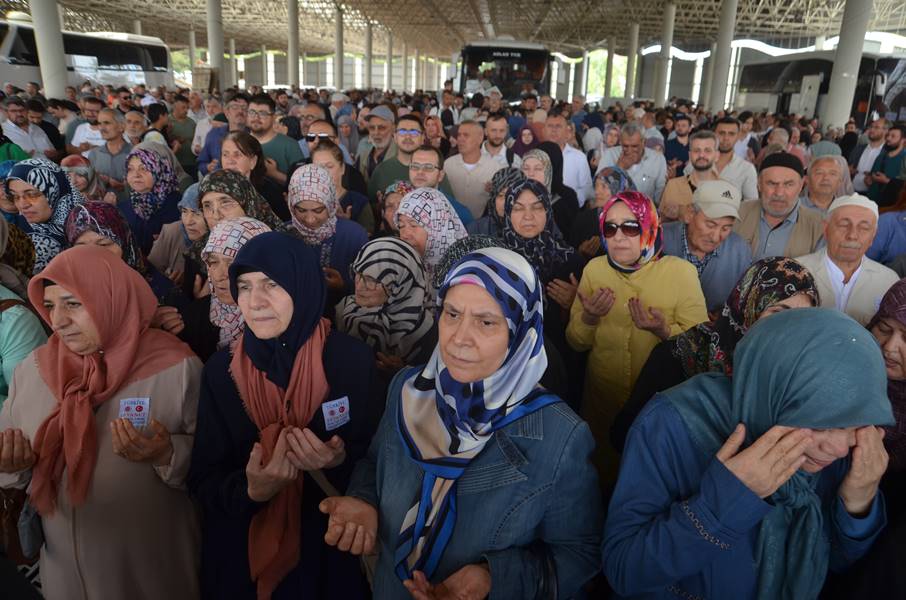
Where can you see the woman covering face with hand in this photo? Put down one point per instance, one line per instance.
(275, 407)
(773, 474)
(436, 491)
(103, 417)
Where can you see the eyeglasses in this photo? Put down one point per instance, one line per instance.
(259, 113)
(370, 283)
(309, 117)
(26, 195)
(409, 132)
(629, 229)
(423, 167)
(318, 136)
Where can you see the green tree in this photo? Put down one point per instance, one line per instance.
(597, 71)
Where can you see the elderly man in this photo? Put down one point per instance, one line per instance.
(576, 173)
(822, 184)
(776, 225)
(646, 167)
(204, 125)
(109, 160)
(706, 239)
(380, 146)
(409, 136)
(677, 195)
(845, 277)
(237, 110)
(470, 172)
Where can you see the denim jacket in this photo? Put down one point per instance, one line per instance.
(528, 500)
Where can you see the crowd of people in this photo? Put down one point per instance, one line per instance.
(303, 344)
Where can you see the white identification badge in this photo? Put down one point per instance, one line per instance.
(336, 413)
(135, 410)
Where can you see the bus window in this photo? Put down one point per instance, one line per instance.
(4, 28)
(158, 57)
(23, 50)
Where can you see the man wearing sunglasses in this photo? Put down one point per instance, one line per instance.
(280, 150)
(706, 239)
(408, 137)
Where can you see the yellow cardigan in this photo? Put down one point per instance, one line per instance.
(618, 348)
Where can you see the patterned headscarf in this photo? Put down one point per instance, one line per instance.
(17, 259)
(501, 180)
(546, 250)
(314, 184)
(709, 347)
(460, 248)
(652, 234)
(616, 179)
(432, 211)
(401, 322)
(227, 238)
(444, 423)
(893, 306)
(400, 187)
(49, 179)
(241, 190)
(106, 220)
(146, 204)
(546, 161)
(79, 165)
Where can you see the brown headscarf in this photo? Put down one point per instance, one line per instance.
(121, 304)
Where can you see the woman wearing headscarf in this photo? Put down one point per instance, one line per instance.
(17, 259)
(387, 310)
(753, 487)
(224, 243)
(313, 203)
(546, 166)
(592, 131)
(83, 177)
(585, 235)
(103, 417)
(168, 255)
(491, 222)
(7, 207)
(348, 135)
(627, 302)
(428, 223)
(277, 410)
(389, 204)
(153, 196)
(439, 487)
(769, 286)
(43, 196)
(183, 180)
(227, 195)
(525, 141)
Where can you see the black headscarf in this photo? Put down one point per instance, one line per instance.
(296, 267)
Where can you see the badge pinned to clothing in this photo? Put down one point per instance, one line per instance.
(336, 413)
(135, 410)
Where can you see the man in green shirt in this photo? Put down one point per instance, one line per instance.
(280, 151)
(408, 137)
(182, 131)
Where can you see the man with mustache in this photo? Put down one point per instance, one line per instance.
(846, 279)
(776, 225)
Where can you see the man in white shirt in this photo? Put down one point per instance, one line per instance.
(24, 134)
(202, 127)
(197, 110)
(576, 173)
(646, 167)
(470, 172)
(863, 157)
(845, 278)
(88, 135)
(496, 130)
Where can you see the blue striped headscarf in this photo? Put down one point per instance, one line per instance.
(445, 424)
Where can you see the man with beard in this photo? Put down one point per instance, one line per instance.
(280, 150)
(884, 185)
(846, 279)
(109, 160)
(776, 225)
(409, 137)
(496, 130)
(676, 149)
(706, 239)
(283, 104)
(863, 156)
(677, 195)
(730, 167)
(87, 135)
(380, 146)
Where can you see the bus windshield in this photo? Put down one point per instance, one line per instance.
(512, 70)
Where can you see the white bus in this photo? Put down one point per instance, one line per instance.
(513, 67)
(101, 58)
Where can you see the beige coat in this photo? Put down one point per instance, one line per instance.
(806, 234)
(137, 535)
(470, 187)
(863, 302)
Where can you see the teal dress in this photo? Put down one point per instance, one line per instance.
(20, 333)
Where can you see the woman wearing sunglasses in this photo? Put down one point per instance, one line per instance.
(627, 302)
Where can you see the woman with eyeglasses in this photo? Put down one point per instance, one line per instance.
(627, 302)
(352, 204)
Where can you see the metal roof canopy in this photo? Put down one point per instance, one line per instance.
(440, 28)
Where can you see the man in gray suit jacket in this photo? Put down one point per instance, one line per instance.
(845, 277)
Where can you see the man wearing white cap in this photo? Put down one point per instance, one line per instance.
(845, 277)
(706, 239)
(338, 106)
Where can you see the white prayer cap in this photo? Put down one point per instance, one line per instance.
(853, 200)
